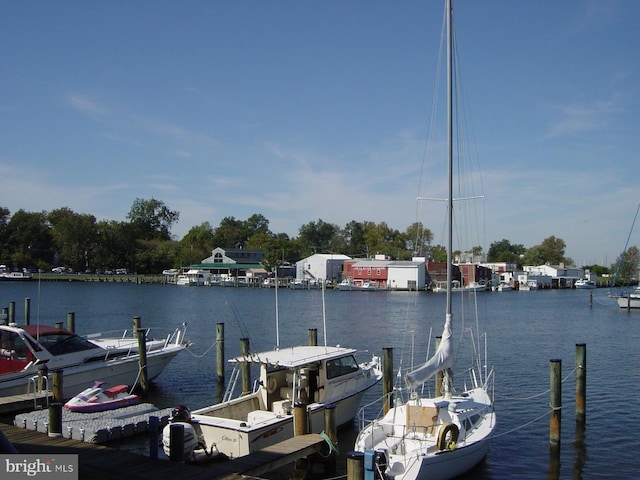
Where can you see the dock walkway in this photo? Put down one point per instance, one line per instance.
(99, 462)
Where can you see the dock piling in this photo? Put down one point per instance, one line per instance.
(555, 400)
(245, 368)
(387, 378)
(581, 383)
(220, 353)
(71, 322)
(142, 360)
(176, 442)
(154, 436)
(55, 420)
(355, 466)
(27, 311)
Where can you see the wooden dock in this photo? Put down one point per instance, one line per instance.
(27, 401)
(100, 462)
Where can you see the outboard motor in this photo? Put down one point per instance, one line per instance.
(193, 443)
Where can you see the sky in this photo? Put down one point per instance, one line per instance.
(304, 111)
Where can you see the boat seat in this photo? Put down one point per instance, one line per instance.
(115, 391)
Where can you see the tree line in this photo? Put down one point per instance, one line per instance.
(143, 243)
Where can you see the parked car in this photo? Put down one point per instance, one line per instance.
(58, 270)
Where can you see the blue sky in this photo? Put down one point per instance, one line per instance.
(303, 110)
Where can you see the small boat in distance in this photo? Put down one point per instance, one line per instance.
(349, 285)
(98, 399)
(584, 284)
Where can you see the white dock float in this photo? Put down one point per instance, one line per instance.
(98, 427)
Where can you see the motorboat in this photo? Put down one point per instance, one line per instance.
(629, 299)
(99, 399)
(442, 436)
(584, 284)
(29, 353)
(313, 376)
(350, 284)
(194, 278)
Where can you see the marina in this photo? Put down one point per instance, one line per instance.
(526, 330)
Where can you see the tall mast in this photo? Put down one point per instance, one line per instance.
(450, 156)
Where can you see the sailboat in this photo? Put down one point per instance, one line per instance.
(441, 437)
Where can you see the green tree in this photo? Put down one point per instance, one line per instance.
(419, 239)
(230, 233)
(504, 251)
(195, 245)
(74, 236)
(115, 248)
(28, 241)
(627, 266)
(317, 237)
(550, 251)
(152, 219)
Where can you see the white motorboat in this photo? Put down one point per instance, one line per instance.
(194, 278)
(584, 284)
(30, 351)
(315, 376)
(349, 285)
(629, 299)
(443, 436)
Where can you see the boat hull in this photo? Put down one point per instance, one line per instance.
(445, 465)
(76, 377)
(629, 301)
(237, 438)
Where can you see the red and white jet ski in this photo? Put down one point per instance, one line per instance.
(98, 399)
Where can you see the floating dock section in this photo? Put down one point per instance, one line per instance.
(98, 427)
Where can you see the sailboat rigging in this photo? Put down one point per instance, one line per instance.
(441, 437)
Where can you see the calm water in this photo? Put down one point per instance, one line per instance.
(525, 330)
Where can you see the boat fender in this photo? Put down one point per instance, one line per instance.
(448, 436)
(272, 384)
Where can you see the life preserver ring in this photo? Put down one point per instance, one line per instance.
(272, 384)
(448, 436)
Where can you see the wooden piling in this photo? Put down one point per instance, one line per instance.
(581, 383)
(555, 400)
(137, 323)
(12, 312)
(331, 431)
(71, 322)
(176, 442)
(300, 419)
(5, 315)
(56, 385)
(355, 466)
(59, 325)
(154, 436)
(27, 311)
(142, 360)
(387, 378)
(220, 353)
(245, 367)
(55, 420)
(313, 337)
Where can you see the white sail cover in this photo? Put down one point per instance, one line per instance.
(442, 359)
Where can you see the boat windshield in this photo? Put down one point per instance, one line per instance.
(341, 366)
(62, 342)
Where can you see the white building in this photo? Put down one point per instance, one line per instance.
(407, 275)
(321, 267)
